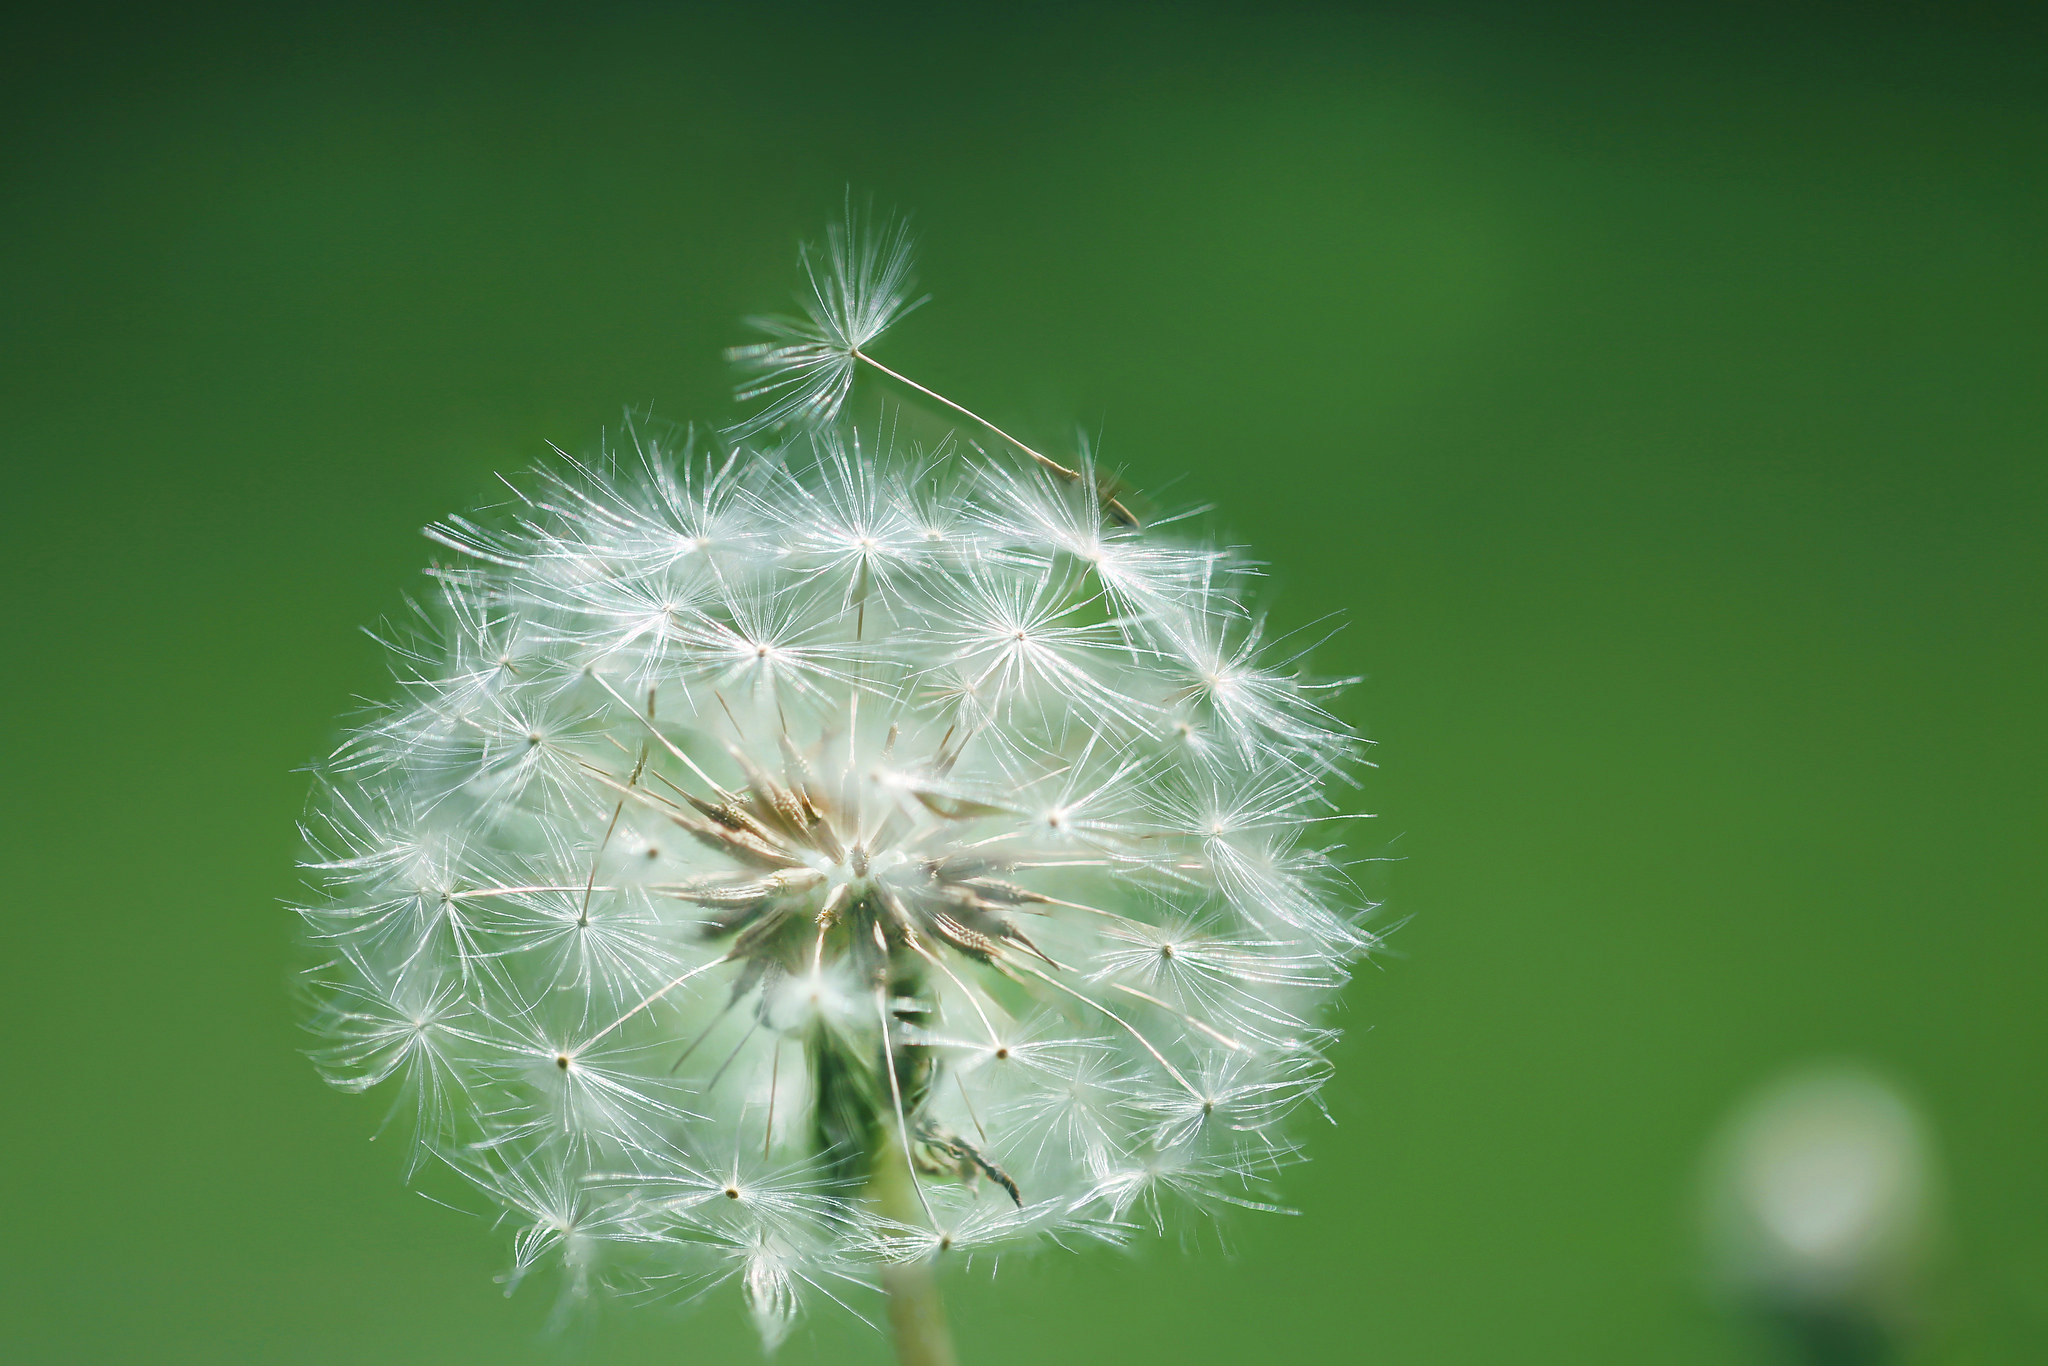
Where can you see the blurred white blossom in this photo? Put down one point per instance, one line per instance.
(1821, 1211)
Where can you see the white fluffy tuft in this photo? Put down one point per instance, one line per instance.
(751, 823)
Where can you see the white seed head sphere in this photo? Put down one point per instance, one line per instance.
(807, 858)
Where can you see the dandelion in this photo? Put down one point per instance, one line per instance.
(799, 865)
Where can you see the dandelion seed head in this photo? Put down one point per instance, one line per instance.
(751, 822)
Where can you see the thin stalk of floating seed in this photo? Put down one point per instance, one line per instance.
(1043, 900)
(1213, 1033)
(965, 990)
(1129, 1028)
(652, 998)
(618, 810)
(1114, 508)
(666, 743)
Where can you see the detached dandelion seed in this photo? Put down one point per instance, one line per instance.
(859, 286)
(798, 866)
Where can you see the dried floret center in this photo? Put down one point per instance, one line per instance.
(804, 891)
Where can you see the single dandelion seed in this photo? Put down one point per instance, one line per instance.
(801, 868)
(860, 284)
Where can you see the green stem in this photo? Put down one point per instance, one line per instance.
(916, 1316)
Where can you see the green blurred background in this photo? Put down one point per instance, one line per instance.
(1660, 398)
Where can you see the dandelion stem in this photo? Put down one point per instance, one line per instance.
(917, 1318)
